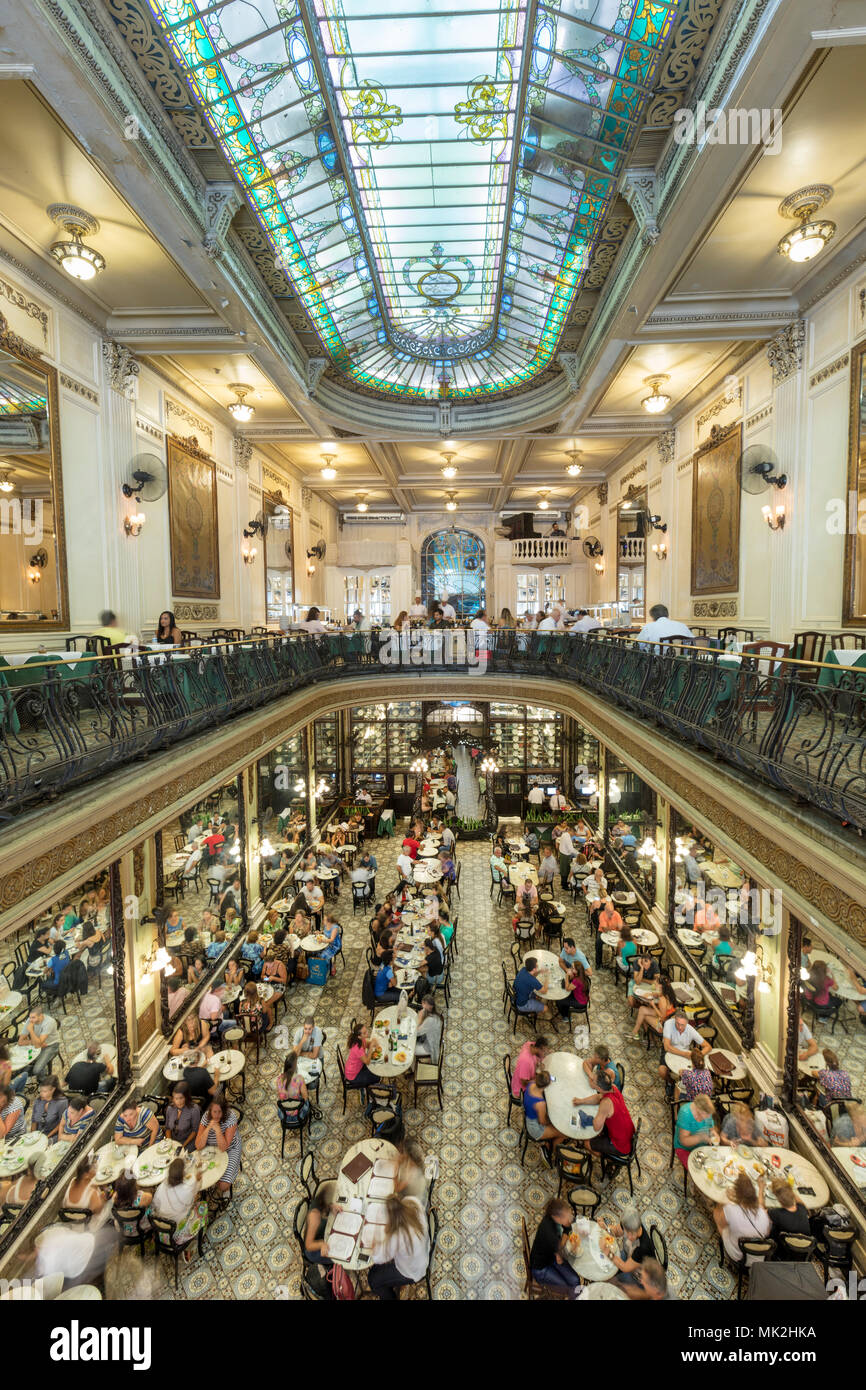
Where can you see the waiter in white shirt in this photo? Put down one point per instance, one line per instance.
(584, 622)
(662, 626)
(449, 612)
(558, 802)
(536, 795)
(405, 866)
(417, 610)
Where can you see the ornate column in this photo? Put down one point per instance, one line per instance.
(123, 587)
(785, 353)
(310, 774)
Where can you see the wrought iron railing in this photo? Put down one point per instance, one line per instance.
(798, 726)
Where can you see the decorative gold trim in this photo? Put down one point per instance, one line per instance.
(11, 343)
(78, 388)
(191, 445)
(758, 416)
(858, 366)
(31, 307)
(830, 370)
(148, 427)
(180, 412)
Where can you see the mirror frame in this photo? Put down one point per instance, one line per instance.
(270, 501)
(796, 931)
(857, 388)
(32, 357)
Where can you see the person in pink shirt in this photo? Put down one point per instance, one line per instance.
(529, 1059)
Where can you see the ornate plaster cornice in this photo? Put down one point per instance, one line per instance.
(785, 351)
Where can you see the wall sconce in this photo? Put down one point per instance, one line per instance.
(775, 518)
(159, 961)
(599, 566)
(248, 553)
(311, 568)
(266, 849)
(649, 850)
(660, 550)
(754, 967)
(37, 564)
(489, 767)
(133, 522)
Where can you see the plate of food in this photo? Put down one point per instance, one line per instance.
(399, 1056)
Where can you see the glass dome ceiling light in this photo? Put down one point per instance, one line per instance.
(809, 239)
(80, 261)
(657, 402)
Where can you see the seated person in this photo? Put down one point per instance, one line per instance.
(54, 968)
(48, 1108)
(527, 899)
(16, 1192)
(384, 985)
(137, 1126)
(790, 1215)
(695, 1125)
(199, 1077)
(742, 1214)
(11, 1114)
(570, 954)
(599, 1061)
(679, 1039)
(635, 1246)
(577, 981)
(334, 934)
(548, 1261)
(94, 1073)
(182, 1115)
(696, 1080)
(82, 1194)
(41, 1033)
(307, 1039)
(535, 1115)
(612, 1122)
(738, 1127)
(849, 1131)
(723, 957)
(76, 1117)
(313, 896)
(177, 1199)
(250, 1008)
(428, 1037)
(806, 1044)
(819, 986)
(498, 866)
(253, 952)
(528, 994)
(217, 946)
(359, 1050)
(193, 1033)
(834, 1081)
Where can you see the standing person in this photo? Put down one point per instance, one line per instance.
(567, 851)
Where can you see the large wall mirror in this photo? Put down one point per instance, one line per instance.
(854, 597)
(631, 529)
(33, 591)
(60, 1062)
(828, 978)
(201, 892)
(279, 548)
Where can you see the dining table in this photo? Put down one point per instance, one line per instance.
(229, 1061)
(713, 1168)
(852, 1162)
(602, 1293)
(550, 973)
(386, 1028)
(9, 1002)
(207, 1165)
(366, 1177)
(427, 872)
(111, 1161)
(312, 944)
(15, 1154)
(842, 659)
(569, 1082)
(519, 873)
(678, 1064)
(585, 1251)
(621, 899)
(721, 875)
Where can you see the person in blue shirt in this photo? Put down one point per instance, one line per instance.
(55, 968)
(723, 952)
(527, 993)
(254, 952)
(570, 953)
(217, 946)
(629, 841)
(369, 861)
(383, 987)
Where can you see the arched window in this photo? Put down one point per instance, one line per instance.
(452, 566)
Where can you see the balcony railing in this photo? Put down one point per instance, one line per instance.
(632, 550)
(541, 550)
(64, 725)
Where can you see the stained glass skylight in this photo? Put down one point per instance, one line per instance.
(432, 178)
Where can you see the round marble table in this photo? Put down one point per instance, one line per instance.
(519, 873)
(9, 1002)
(427, 872)
(623, 899)
(111, 1160)
(384, 1020)
(550, 974)
(313, 943)
(589, 1261)
(725, 1163)
(80, 1293)
(569, 1082)
(230, 1062)
(207, 1164)
(602, 1293)
(680, 1064)
(15, 1154)
(852, 1162)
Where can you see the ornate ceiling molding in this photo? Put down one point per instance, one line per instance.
(639, 191)
(667, 446)
(221, 202)
(830, 370)
(31, 307)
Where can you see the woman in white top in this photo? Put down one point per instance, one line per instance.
(742, 1215)
(82, 1194)
(313, 622)
(401, 1255)
(175, 1200)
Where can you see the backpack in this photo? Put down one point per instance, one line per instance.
(72, 980)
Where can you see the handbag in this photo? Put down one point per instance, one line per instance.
(342, 1287)
(302, 970)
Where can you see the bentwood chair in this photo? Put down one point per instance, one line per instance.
(293, 1121)
(609, 1164)
(659, 1245)
(165, 1241)
(763, 1249)
(429, 1074)
(514, 1102)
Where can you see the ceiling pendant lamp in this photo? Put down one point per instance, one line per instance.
(809, 239)
(574, 469)
(361, 504)
(80, 261)
(328, 453)
(448, 469)
(543, 495)
(451, 505)
(239, 408)
(657, 402)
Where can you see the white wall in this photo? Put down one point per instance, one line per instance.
(101, 431)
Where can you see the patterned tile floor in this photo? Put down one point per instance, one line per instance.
(482, 1190)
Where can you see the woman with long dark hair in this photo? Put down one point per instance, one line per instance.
(168, 634)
